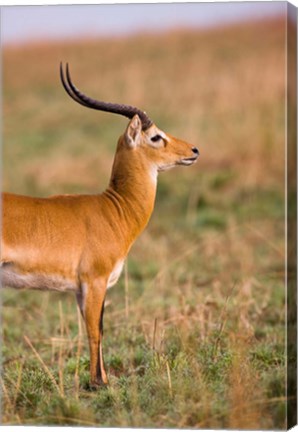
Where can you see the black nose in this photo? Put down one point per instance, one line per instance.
(195, 150)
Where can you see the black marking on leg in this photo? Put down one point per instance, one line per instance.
(101, 318)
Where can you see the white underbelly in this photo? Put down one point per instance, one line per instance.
(10, 277)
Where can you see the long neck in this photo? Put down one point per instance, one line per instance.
(132, 190)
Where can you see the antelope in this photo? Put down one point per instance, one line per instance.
(79, 243)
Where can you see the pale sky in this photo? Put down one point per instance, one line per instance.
(23, 23)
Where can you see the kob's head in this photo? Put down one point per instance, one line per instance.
(142, 139)
(162, 150)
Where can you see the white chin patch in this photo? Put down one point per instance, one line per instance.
(187, 162)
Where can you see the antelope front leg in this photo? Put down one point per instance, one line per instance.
(93, 314)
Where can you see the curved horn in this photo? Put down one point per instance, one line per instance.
(78, 96)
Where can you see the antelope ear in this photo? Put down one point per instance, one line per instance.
(133, 132)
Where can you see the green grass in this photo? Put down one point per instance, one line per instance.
(194, 336)
(193, 340)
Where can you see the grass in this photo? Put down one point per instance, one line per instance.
(194, 334)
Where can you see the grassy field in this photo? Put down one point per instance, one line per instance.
(194, 329)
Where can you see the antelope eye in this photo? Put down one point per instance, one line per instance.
(156, 138)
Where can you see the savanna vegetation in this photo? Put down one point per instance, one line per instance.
(194, 329)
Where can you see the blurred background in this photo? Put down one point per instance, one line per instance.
(29, 23)
(195, 328)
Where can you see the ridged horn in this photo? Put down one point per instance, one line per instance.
(81, 98)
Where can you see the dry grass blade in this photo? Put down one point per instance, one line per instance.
(154, 334)
(6, 395)
(12, 383)
(61, 379)
(126, 289)
(18, 385)
(10, 405)
(169, 379)
(79, 349)
(46, 369)
(222, 320)
(75, 421)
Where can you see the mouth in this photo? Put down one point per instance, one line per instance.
(187, 161)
